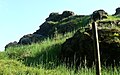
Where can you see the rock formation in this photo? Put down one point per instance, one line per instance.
(99, 14)
(11, 44)
(67, 14)
(57, 17)
(30, 38)
(117, 11)
(54, 17)
(62, 22)
(79, 49)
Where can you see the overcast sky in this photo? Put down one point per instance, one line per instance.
(20, 17)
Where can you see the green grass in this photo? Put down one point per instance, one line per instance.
(3, 55)
(13, 67)
(44, 53)
(112, 18)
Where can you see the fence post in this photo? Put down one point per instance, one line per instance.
(96, 49)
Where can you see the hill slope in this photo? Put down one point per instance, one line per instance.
(49, 49)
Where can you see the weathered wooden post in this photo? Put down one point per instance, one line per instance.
(96, 49)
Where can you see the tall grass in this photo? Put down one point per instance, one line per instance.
(12, 67)
(44, 53)
(41, 59)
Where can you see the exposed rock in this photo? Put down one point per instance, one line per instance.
(99, 14)
(48, 29)
(69, 24)
(57, 17)
(54, 17)
(11, 44)
(30, 38)
(79, 50)
(117, 11)
(67, 14)
(75, 49)
(60, 23)
(45, 28)
(25, 41)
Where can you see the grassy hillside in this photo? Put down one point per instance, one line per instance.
(42, 58)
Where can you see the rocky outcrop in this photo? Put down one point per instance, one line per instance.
(75, 49)
(117, 11)
(57, 17)
(79, 50)
(67, 14)
(65, 22)
(49, 28)
(45, 29)
(26, 40)
(54, 17)
(99, 15)
(60, 23)
(11, 44)
(30, 38)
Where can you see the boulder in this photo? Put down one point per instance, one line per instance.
(67, 14)
(57, 17)
(117, 11)
(54, 17)
(25, 41)
(30, 38)
(99, 15)
(79, 49)
(45, 28)
(11, 44)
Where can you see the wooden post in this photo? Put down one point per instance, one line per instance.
(96, 49)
